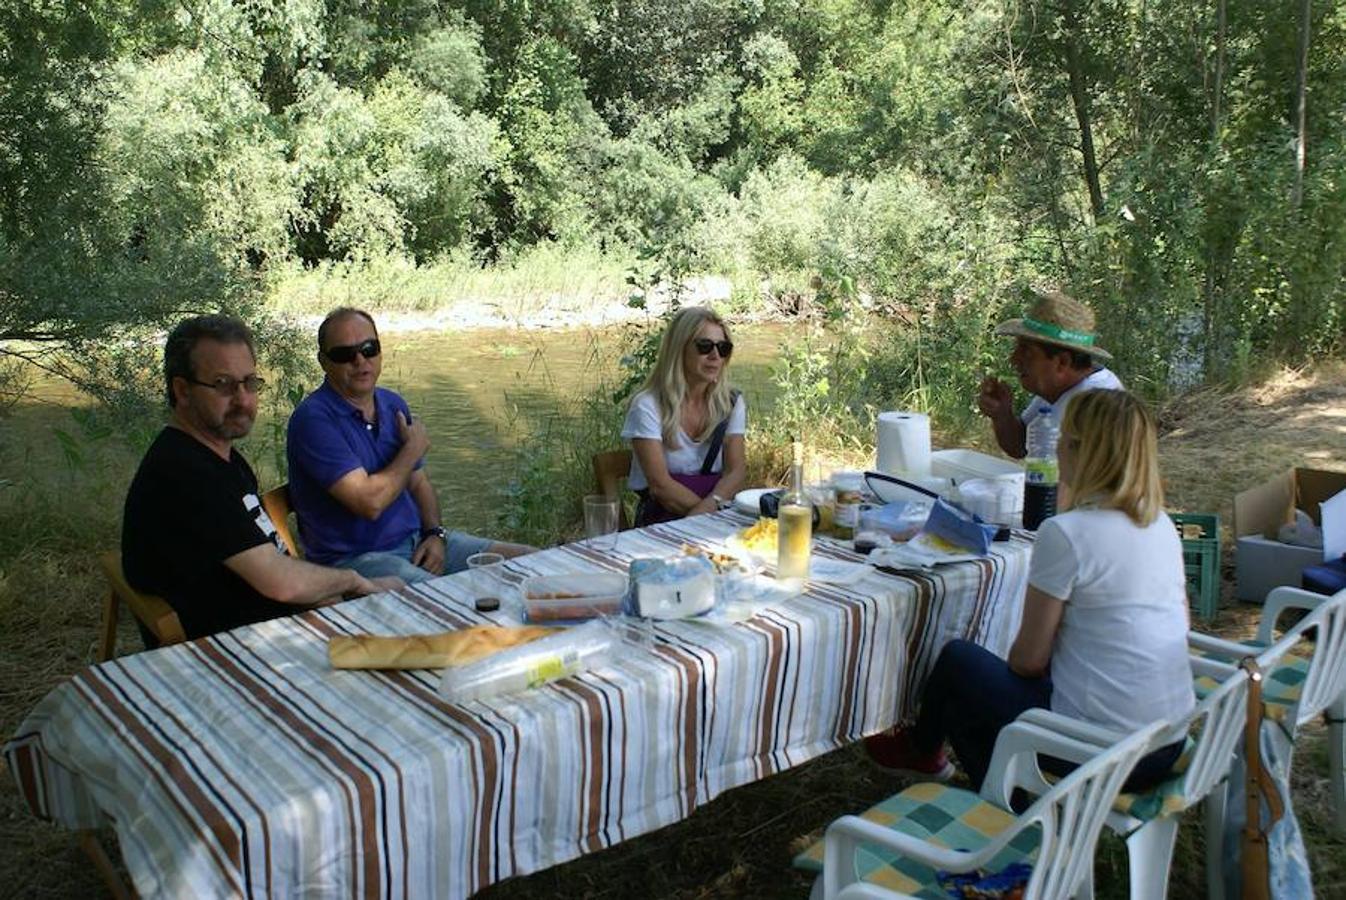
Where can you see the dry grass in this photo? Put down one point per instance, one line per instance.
(1213, 443)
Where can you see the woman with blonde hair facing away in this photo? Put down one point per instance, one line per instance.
(686, 425)
(1104, 630)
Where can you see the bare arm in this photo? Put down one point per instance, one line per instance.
(732, 478)
(997, 403)
(1032, 650)
(288, 580)
(368, 495)
(674, 497)
(429, 552)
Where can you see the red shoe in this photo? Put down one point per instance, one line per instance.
(894, 750)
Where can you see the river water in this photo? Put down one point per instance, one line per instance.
(483, 393)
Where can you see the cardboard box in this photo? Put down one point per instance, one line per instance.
(1261, 561)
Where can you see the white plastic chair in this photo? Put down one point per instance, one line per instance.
(1068, 817)
(1323, 689)
(1149, 820)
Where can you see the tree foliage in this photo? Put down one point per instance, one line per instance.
(1148, 155)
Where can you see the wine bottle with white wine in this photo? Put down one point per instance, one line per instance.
(795, 523)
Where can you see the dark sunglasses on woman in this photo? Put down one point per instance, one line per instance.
(344, 354)
(705, 345)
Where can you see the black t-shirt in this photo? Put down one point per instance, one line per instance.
(186, 512)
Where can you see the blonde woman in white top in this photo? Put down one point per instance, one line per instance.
(1104, 630)
(686, 426)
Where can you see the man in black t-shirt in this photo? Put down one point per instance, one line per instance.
(194, 531)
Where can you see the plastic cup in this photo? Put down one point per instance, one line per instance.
(484, 574)
(600, 520)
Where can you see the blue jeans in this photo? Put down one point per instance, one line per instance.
(972, 694)
(397, 561)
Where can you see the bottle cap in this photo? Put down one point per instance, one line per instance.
(487, 604)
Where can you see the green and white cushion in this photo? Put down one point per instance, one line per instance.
(1280, 689)
(1164, 799)
(947, 816)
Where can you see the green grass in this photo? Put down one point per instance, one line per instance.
(510, 289)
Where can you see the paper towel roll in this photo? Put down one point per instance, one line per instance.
(903, 443)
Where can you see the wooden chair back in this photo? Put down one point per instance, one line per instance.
(276, 502)
(153, 612)
(611, 468)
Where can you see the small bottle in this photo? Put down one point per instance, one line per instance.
(1041, 473)
(850, 492)
(795, 524)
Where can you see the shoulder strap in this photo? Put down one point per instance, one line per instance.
(717, 436)
(1259, 787)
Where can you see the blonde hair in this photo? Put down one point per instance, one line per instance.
(1117, 460)
(668, 383)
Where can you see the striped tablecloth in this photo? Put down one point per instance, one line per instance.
(242, 764)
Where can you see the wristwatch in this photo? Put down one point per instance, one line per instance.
(438, 531)
(720, 502)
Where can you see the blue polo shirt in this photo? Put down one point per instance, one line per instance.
(328, 438)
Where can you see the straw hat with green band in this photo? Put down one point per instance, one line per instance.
(1060, 320)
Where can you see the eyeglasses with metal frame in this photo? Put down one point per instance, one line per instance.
(227, 387)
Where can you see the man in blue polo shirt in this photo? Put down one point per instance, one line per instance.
(357, 481)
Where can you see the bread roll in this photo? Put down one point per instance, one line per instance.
(427, 651)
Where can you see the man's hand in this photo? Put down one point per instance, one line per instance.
(365, 586)
(429, 555)
(995, 400)
(413, 434)
(997, 403)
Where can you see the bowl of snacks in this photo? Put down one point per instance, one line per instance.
(755, 545)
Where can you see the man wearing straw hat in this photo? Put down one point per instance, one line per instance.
(1055, 357)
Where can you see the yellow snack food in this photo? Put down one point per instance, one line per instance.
(760, 537)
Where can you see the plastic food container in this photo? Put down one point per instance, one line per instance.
(960, 464)
(530, 665)
(676, 588)
(966, 465)
(566, 598)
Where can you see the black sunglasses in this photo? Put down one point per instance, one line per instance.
(705, 345)
(368, 349)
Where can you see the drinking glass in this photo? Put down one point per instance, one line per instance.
(484, 574)
(600, 520)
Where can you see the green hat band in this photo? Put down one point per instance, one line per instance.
(1047, 329)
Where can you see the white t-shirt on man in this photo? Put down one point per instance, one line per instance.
(1100, 379)
(1120, 655)
(642, 421)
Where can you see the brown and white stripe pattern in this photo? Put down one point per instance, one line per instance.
(243, 765)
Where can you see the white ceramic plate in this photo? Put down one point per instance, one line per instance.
(749, 501)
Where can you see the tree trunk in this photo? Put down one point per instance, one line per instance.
(1301, 103)
(1079, 99)
(1221, 27)
(1214, 257)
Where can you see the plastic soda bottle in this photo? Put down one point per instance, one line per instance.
(1041, 473)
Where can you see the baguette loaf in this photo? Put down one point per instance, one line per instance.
(427, 651)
